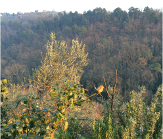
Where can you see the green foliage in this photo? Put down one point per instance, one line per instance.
(4, 98)
(131, 120)
(129, 42)
(106, 128)
(83, 30)
(135, 119)
(24, 40)
(35, 120)
(134, 13)
(75, 29)
(75, 127)
(3, 88)
(28, 36)
(67, 30)
(138, 119)
(156, 67)
(73, 131)
(28, 123)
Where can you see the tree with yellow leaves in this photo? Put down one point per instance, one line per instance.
(61, 62)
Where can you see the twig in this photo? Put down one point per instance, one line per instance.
(114, 91)
(111, 94)
(93, 94)
(106, 88)
(115, 83)
(117, 93)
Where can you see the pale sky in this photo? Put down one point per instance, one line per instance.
(14, 6)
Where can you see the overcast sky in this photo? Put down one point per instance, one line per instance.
(14, 6)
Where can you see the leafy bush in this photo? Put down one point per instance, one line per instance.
(134, 119)
(131, 120)
(4, 93)
(36, 121)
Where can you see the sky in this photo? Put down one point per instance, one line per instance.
(14, 6)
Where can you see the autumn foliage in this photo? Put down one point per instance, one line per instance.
(125, 56)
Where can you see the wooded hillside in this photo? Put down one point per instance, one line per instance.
(129, 42)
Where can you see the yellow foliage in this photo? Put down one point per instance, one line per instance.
(61, 62)
(65, 126)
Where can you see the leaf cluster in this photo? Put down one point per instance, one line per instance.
(35, 121)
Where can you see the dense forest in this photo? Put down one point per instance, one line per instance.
(52, 63)
(129, 42)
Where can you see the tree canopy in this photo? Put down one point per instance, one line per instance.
(61, 63)
(129, 42)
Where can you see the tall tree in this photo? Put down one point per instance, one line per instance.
(61, 62)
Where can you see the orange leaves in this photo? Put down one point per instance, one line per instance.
(24, 109)
(47, 114)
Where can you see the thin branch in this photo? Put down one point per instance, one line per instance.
(101, 96)
(117, 93)
(93, 94)
(71, 63)
(106, 88)
(110, 92)
(115, 83)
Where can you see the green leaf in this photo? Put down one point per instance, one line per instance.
(31, 134)
(14, 126)
(37, 129)
(60, 107)
(1, 98)
(72, 105)
(17, 122)
(33, 97)
(82, 91)
(4, 125)
(31, 124)
(52, 94)
(62, 99)
(25, 99)
(20, 129)
(59, 89)
(82, 137)
(75, 86)
(15, 133)
(69, 97)
(78, 103)
(24, 136)
(60, 115)
(63, 111)
(43, 132)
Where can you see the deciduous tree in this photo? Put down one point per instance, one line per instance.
(61, 62)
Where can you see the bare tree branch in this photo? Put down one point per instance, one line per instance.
(106, 88)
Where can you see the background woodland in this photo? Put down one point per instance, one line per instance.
(129, 42)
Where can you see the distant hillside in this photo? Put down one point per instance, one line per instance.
(27, 15)
(127, 42)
